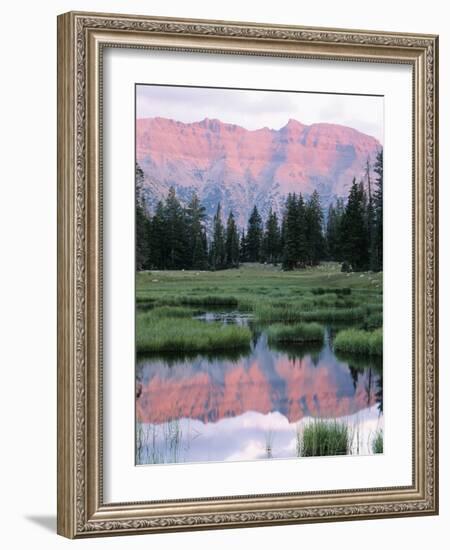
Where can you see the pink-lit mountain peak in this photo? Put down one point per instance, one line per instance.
(240, 167)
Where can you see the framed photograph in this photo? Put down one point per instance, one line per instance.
(247, 274)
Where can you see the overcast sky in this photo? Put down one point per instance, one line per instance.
(256, 109)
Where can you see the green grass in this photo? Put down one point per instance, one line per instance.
(359, 341)
(302, 311)
(297, 333)
(324, 438)
(374, 320)
(161, 312)
(210, 300)
(377, 442)
(183, 335)
(250, 280)
(321, 294)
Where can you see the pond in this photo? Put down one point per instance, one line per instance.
(254, 404)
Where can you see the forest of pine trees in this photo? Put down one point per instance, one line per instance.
(175, 236)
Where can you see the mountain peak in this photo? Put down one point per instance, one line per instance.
(213, 124)
(242, 168)
(293, 124)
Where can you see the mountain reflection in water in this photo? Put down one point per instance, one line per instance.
(247, 406)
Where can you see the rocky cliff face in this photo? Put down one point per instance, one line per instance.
(239, 167)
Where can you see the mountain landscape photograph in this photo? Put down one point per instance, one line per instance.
(259, 274)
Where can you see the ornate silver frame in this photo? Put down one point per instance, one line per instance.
(81, 37)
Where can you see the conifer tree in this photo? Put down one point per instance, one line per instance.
(176, 232)
(195, 216)
(333, 230)
(272, 238)
(355, 242)
(142, 223)
(378, 213)
(290, 232)
(231, 243)
(302, 231)
(314, 232)
(217, 250)
(243, 257)
(158, 243)
(254, 236)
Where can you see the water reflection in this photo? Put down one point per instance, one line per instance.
(239, 406)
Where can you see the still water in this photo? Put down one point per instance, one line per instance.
(253, 404)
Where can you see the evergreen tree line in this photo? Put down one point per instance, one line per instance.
(354, 231)
(175, 237)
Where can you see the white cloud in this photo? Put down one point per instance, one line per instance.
(254, 109)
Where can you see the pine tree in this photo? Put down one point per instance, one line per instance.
(142, 223)
(231, 243)
(333, 230)
(254, 236)
(243, 257)
(217, 250)
(195, 216)
(158, 243)
(378, 213)
(290, 232)
(272, 238)
(176, 233)
(302, 232)
(200, 251)
(314, 230)
(354, 235)
(331, 233)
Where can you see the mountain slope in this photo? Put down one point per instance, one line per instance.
(243, 167)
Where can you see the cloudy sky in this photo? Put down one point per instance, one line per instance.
(256, 109)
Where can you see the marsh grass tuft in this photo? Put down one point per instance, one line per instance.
(377, 442)
(324, 438)
(163, 334)
(297, 333)
(359, 341)
(289, 312)
(209, 300)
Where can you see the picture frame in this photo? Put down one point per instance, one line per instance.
(83, 39)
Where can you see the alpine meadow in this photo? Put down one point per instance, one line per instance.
(259, 274)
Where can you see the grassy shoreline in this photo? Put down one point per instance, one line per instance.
(284, 302)
(181, 334)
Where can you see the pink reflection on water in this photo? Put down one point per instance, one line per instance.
(264, 382)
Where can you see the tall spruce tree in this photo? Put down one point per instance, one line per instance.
(290, 232)
(142, 223)
(370, 213)
(354, 233)
(302, 231)
(378, 213)
(176, 233)
(195, 217)
(254, 236)
(331, 234)
(243, 257)
(333, 230)
(158, 244)
(217, 249)
(231, 243)
(271, 239)
(314, 230)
